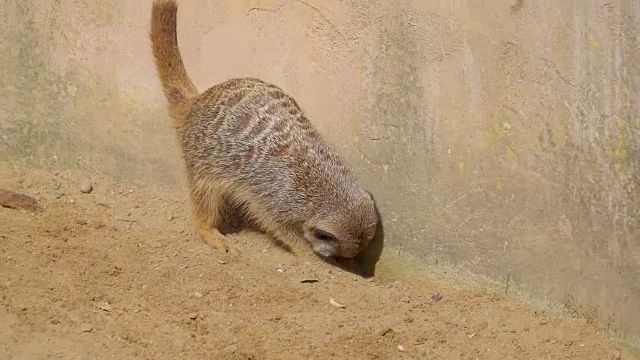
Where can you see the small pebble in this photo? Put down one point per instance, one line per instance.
(60, 194)
(56, 186)
(85, 185)
(86, 328)
(169, 217)
(436, 297)
(400, 347)
(105, 306)
(197, 294)
(193, 316)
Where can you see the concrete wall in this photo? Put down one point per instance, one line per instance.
(501, 138)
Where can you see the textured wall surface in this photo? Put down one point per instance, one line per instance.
(501, 139)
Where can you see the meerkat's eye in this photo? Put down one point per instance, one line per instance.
(323, 235)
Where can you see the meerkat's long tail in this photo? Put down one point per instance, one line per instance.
(178, 88)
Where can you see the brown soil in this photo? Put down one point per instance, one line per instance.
(119, 273)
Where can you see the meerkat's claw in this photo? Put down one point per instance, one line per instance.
(219, 242)
(233, 251)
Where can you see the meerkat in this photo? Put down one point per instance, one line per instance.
(247, 146)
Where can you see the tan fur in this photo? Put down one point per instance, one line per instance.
(250, 151)
(178, 88)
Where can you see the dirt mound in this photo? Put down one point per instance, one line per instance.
(119, 273)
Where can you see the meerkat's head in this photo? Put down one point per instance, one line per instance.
(344, 230)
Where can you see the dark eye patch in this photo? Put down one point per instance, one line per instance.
(323, 235)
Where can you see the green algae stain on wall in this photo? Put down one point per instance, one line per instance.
(36, 124)
(394, 106)
(500, 130)
(621, 142)
(63, 113)
(99, 13)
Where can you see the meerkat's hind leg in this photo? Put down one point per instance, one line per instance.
(209, 212)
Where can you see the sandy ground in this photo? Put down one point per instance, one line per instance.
(120, 274)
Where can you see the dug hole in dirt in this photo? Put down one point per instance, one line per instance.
(117, 272)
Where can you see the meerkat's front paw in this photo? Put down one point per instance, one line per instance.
(232, 250)
(219, 242)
